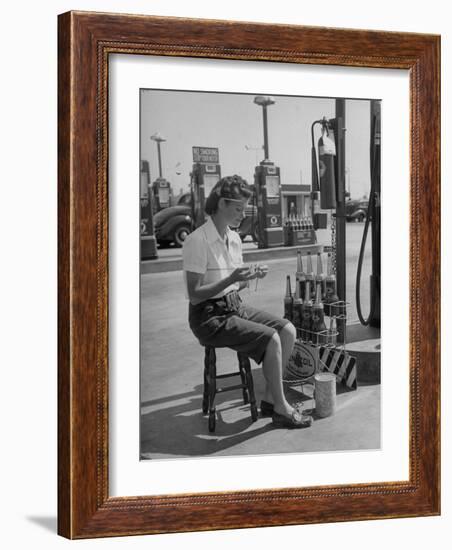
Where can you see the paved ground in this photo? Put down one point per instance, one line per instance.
(172, 424)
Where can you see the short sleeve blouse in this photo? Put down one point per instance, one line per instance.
(207, 253)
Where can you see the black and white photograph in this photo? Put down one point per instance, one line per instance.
(223, 314)
(260, 247)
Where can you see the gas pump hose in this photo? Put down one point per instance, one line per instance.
(370, 207)
(362, 320)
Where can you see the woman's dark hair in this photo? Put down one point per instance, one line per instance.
(231, 187)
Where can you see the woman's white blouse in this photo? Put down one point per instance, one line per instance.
(205, 252)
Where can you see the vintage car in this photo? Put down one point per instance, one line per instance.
(173, 224)
(356, 210)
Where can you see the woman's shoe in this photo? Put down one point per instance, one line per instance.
(266, 408)
(295, 420)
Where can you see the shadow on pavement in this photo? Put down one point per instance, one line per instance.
(175, 425)
(181, 429)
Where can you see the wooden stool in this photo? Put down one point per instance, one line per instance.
(210, 384)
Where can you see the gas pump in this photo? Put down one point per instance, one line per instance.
(373, 217)
(268, 192)
(162, 194)
(328, 188)
(328, 192)
(334, 353)
(147, 238)
(205, 174)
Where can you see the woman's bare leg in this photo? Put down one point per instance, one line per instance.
(272, 369)
(287, 338)
(287, 335)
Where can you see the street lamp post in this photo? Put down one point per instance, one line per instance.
(161, 187)
(158, 139)
(264, 101)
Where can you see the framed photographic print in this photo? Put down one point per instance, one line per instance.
(248, 275)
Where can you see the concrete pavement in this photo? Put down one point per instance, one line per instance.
(172, 424)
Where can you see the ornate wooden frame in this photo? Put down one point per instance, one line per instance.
(85, 42)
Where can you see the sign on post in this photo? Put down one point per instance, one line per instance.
(206, 155)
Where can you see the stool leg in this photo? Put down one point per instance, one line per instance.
(244, 380)
(246, 365)
(212, 385)
(205, 394)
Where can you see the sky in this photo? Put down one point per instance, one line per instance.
(234, 124)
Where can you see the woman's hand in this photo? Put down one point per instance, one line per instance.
(248, 273)
(261, 271)
(242, 273)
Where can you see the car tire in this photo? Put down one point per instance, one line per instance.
(180, 234)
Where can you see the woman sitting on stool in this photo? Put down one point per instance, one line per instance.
(214, 274)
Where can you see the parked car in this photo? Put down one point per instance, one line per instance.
(173, 224)
(249, 225)
(356, 210)
(184, 199)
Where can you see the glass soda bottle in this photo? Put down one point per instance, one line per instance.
(310, 276)
(306, 314)
(320, 277)
(297, 313)
(288, 302)
(318, 318)
(300, 275)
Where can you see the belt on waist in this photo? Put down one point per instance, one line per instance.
(231, 300)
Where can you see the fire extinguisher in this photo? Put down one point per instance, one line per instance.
(324, 179)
